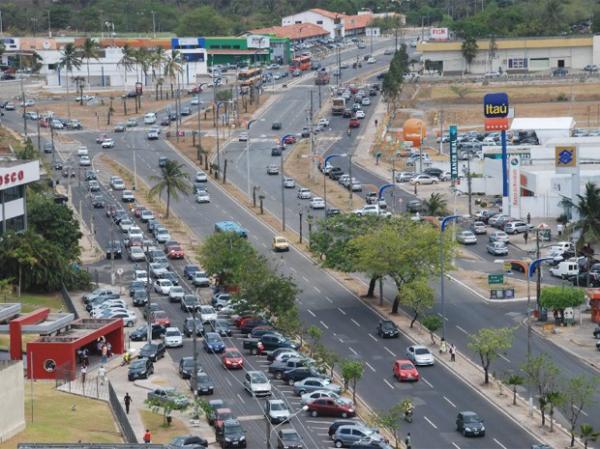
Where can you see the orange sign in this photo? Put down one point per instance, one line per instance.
(496, 124)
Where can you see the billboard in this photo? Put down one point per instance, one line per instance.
(257, 41)
(514, 171)
(16, 175)
(565, 158)
(373, 32)
(438, 34)
(453, 132)
(495, 105)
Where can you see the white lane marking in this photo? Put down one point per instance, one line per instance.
(341, 311)
(372, 337)
(462, 330)
(388, 384)
(329, 299)
(390, 351)
(292, 269)
(440, 315)
(319, 422)
(305, 279)
(456, 445)
(427, 382)
(354, 321)
(504, 358)
(449, 401)
(317, 289)
(311, 312)
(429, 421)
(324, 325)
(584, 413)
(228, 381)
(240, 398)
(369, 365)
(499, 443)
(352, 350)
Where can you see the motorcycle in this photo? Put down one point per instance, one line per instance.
(408, 415)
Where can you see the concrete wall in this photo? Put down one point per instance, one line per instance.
(12, 398)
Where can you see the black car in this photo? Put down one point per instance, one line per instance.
(140, 297)
(48, 147)
(165, 122)
(188, 327)
(141, 333)
(90, 175)
(187, 442)
(289, 439)
(205, 385)
(299, 373)
(470, 424)
(251, 323)
(274, 341)
(114, 249)
(597, 332)
(140, 369)
(276, 151)
(162, 161)
(335, 173)
(153, 351)
(334, 426)
(232, 434)
(387, 329)
(347, 113)
(190, 303)
(98, 202)
(189, 270)
(186, 367)
(222, 327)
(276, 126)
(135, 285)
(273, 355)
(305, 132)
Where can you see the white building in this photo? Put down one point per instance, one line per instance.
(338, 25)
(14, 177)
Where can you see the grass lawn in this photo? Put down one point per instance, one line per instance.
(32, 301)
(160, 434)
(65, 418)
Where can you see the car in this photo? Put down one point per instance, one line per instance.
(257, 384)
(185, 111)
(323, 122)
(466, 238)
(140, 297)
(497, 248)
(330, 407)
(243, 137)
(420, 355)
(187, 442)
(160, 317)
(331, 211)
(140, 369)
(277, 411)
(202, 197)
(98, 202)
(288, 438)
(371, 60)
(498, 236)
(162, 235)
(221, 415)
(470, 424)
(291, 376)
(84, 161)
(276, 126)
(354, 123)
(189, 303)
(516, 227)
(424, 179)
(146, 215)
(174, 252)
(560, 72)
(117, 183)
(273, 340)
(162, 395)
(221, 327)
(231, 435)
(213, 342)
(289, 140)
(387, 329)
(152, 135)
(318, 394)
(304, 193)
(371, 209)
(131, 122)
(272, 169)
(289, 183)
(162, 286)
(346, 436)
(10, 106)
(48, 147)
(360, 114)
(127, 196)
(136, 254)
(93, 185)
(220, 299)
(162, 161)
(313, 384)
(176, 294)
(591, 68)
(280, 243)
(207, 313)
(107, 143)
(355, 186)
(404, 370)
(366, 101)
(232, 359)
(317, 203)
(114, 249)
(153, 351)
(186, 367)
(478, 228)
(200, 279)
(189, 270)
(276, 151)
(120, 128)
(188, 326)
(204, 384)
(141, 332)
(200, 177)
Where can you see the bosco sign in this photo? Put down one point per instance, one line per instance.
(495, 105)
(12, 177)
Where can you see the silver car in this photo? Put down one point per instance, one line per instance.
(420, 355)
(499, 236)
(315, 383)
(466, 238)
(497, 248)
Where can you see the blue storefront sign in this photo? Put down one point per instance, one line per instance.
(495, 105)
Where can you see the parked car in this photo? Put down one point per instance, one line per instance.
(497, 248)
(330, 407)
(313, 384)
(153, 351)
(141, 333)
(140, 369)
(346, 436)
(168, 394)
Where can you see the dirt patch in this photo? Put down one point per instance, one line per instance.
(189, 147)
(9, 139)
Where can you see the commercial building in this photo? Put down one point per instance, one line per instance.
(511, 56)
(296, 33)
(12, 398)
(337, 25)
(15, 175)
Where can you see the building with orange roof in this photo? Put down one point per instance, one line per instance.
(338, 25)
(298, 32)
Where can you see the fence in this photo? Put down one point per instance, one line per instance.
(68, 301)
(121, 416)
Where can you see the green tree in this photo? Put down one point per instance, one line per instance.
(542, 374)
(514, 381)
(418, 296)
(166, 406)
(313, 334)
(327, 358)
(578, 393)
(561, 297)
(174, 180)
(143, 60)
(226, 254)
(172, 68)
(587, 207)
(352, 372)
(596, 20)
(488, 343)
(391, 420)
(587, 434)
(90, 50)
(432, 323)
(203, 21)
(460, 91)
(29, 152)
(553, 399)
(435, 205)
(469, 48)
(127, 60)
(70, 58)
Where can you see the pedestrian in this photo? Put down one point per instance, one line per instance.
(86, 354)
(559, 229)
(127, 400)
(443, 346)
(526, 236)
(452, 353)
(376, 122)
(83, 373)
(148, 437)
(104, 351)
(102, 374)
(408, 441)
(528, 218)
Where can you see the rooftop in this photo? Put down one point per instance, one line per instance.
(293, 32)
(543, 123)
(359, 21)
(325, 13)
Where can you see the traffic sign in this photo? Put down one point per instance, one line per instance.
(495, 279)
(453, 133)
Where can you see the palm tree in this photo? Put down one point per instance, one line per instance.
(70, 59)
(173, 67)
(144, 59)
(435, 205)
(587, 208)
(514, 381)
(469, 50)
(587, 434)
(174, 180)
(90, 50)
(158, 57)
(127, 61)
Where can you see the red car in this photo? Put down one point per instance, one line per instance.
(404, 370)
(330, 407)
(353, 90)
(175, 252)
(354, 123)
(222, 415)
(195, 90)
(289, 140)
(240, 318)
(160, 317)
(137, 211)
(232, 359)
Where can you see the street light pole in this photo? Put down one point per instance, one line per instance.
(281, 141)
(149, 334)
(444, 223)
(195, 355)
(248, 158)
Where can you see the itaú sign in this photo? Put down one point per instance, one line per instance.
(16, 175)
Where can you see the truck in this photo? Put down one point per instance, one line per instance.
(338, 105)
(322, 77)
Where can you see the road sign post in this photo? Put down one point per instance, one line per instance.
(495, 279)
(453, 132)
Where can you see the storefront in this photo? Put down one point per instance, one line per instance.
(14, 177)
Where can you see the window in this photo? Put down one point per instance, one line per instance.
(15, 224)
(14, 193)
(319, 22)
(517, 63)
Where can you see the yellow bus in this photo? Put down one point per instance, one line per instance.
(250, 77)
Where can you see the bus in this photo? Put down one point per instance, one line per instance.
(322, 77)
(250, 77)
(301, 63)
(231, 226)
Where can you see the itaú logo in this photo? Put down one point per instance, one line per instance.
(495, 105)
(12, 177)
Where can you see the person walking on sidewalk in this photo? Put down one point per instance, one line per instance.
(148, 437)
(127, 400)
(408, 441)
(443, 346)
(452, 353)
(102, 374)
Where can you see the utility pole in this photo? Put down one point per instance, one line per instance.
(24, 108)
(282, 194)
(153, 23)
(470, 193)
(312, 140)
(538, 284)
(39, 136)
(195, 350)
(149, 335)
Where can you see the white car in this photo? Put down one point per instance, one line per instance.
(200, 279)
(108, 143)
(372, 209)
(173, 337)
(404, 176)
(424, 179)
(127, 196)
(195, 101)
(118, 184)
(257, 384)
(207, 314)
(84, 161)
(201, 177)
(129, 317)
(83, 151)
(176, 293)
(304, 193)
(276, 411)
(371, 60)
(243, 137)
(289, 183)
(146, 216)
(365, 101)
(466, 238)
(420, 355)
(203, 197)
(317, 203)
(157, 269)
(360, 114)
(136, 254)
(311, 396)
(135, 232)
(324, 123)
(163, 286)
(125, 224)
(162, 235)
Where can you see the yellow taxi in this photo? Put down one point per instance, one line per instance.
(280, 244)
